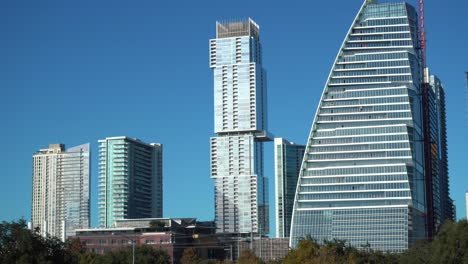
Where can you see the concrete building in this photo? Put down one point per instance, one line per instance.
(241, 189)
(60, 190)
(130, 180)
(288, 161)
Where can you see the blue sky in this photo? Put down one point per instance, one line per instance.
(79, 71)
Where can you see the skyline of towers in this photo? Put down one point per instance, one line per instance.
(130, 180)
(288, 161)
(60, 190)
(362, 179)
(385, 74)
(240, 124)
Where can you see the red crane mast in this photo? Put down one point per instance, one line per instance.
(422, 32)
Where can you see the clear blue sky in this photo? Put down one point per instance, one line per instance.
(79, 71)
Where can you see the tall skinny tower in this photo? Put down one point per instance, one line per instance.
(288, 161)
(241, 198)
(130, 180)
(60, 202)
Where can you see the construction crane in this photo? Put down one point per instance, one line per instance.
(422, 32)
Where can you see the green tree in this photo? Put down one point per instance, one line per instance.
(420, 252)
(306, 252)
(190, 256)
(18, 244)
(248, 257)
(449, 246)
(90, 258)
(157, 225)
(451, 243)
(335, 251)
(143, 255)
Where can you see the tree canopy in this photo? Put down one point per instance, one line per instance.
(20, 245)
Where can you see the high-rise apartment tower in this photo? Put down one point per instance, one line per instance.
(60, 194)
(466, 98)
(288, 160)
(466, 204)
(241, 197)
(362, 178)
(130, 180)
(438, 202)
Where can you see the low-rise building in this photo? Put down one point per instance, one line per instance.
(268, 249)
(173, 235)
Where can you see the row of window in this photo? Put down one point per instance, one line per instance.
(363, 123)
(344, 117)
(378, 56)
(360, 147)
(361, 131)
(357, 187)
(369, 86)
(374, 64)
(388, 29)
(337, 180)
(354, 195)
(344, 93)
(366, 139)
(327, 204)
(388, 21)
(387, 213)
(400, 78)
(371, 72)
(375, 108)
(387, 43)
(385, 10)
(380, 37)
(364, 101)
(363, 155)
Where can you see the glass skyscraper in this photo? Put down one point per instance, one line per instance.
(288, 160)
(362, 178)
(130, 180)
(60, 195)
(439, 204)
(466, 98)
(241, 197)
(466, 204)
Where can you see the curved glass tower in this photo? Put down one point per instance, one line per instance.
(362, 175)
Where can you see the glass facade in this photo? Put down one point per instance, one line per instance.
(439, 204)
(288, 160)
(130, 180)
(61, 180)
(466, 204)
(466, 98)
(362, 178)
(241, 190)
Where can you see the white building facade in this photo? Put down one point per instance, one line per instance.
(60, 202)
(241, 190)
